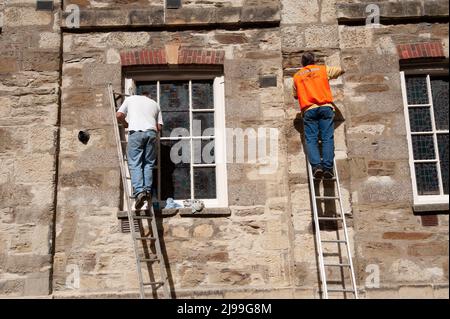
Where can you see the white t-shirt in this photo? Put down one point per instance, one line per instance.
(142, 113)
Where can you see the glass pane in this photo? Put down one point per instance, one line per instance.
(175, 169)
(174, 96)
(423, 147)
(443, 156)
(204, 182)
(420, 119)
(202, 94)
(439, 89)
(150, 87)
(203, 121)
(427, 180)
(203, 151)
(176, 120)
(416, 88)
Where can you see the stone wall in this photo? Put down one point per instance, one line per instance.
(264, 245)
(29, 91)
(371, 146)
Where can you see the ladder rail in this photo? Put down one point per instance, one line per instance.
(323, 277)
(125, 187)
(346, 237)
(132, 218)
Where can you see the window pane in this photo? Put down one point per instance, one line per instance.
(423, 147)
(175, 120)
(202, 94)
(174, 96)
(201, 122)
(420, 119)
(439, 89)
(150, 87)
(427, 180)
(175, 169)
(204, 182)
(416, 88)
(203, 151)
(443, 156)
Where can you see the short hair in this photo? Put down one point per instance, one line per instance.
(308, 58)
(146, 93)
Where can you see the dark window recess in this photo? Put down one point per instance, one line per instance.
(173, 4)
(266, 81)
(429, 220)
(44, 5)
(416, 88)
(439, 89)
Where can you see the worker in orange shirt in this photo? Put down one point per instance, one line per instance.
(312, 89)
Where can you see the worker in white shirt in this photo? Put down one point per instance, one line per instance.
(144, 122)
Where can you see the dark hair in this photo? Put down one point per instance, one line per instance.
(146, 93)
(308, 58)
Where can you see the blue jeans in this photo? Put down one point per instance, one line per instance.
(141, 160)
(319, 122)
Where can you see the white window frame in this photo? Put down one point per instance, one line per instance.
(420, 200)
(221, 199)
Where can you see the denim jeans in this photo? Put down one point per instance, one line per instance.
(319, 122)
(141, 160)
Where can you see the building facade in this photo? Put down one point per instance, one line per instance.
(228, 65)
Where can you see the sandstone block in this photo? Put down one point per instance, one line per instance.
(15, 16)
(295, 12)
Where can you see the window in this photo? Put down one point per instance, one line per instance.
(426, 109)
(191, 155)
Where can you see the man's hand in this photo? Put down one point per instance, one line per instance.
(121, 119)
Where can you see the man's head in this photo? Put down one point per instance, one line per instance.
(146, 93)
(308, 58)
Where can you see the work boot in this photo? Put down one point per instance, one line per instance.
(318, 172)
(328, 173)
(140, 198)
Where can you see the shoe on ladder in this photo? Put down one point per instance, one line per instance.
(318, 172)
(140, 198)
(328, 173)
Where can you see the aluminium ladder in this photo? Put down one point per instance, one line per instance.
(337, 218)
(137, 217)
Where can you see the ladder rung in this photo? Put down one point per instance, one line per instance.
(340, 290)
(145, 260)
(336, 265)
(144, 238)
(142, 217)
(134, 211)
(123, 142)
(326, 197)
(153, 283)
(334, 241)
(324, 179)
(330, 218)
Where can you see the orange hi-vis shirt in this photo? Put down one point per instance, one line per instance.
(311, 85)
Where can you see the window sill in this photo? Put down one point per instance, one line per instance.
(430, 207)
(187, 212)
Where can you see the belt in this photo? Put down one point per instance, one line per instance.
(131, 132)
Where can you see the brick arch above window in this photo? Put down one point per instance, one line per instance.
(172, 55)
(431, 49)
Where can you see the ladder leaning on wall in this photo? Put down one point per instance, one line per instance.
(147, 235)
(335, 217)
